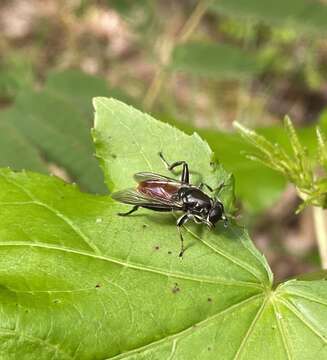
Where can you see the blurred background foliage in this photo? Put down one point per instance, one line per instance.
(198, 65)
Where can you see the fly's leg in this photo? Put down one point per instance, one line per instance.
(134, 208)
(217, 189)
(180, 222)
(202, 185)
(185, 178)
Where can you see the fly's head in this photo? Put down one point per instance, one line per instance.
(217, 213)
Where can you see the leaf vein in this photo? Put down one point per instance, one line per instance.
(251, 327)
(305, 321)
(135, 266)
(190, 329)
(57, 213)
(282, 330)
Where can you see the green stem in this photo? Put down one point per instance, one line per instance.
(161, 73)
(319, 217)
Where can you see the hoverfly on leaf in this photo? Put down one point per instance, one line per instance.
(160, 193)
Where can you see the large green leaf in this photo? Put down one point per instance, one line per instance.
(303, 14)
(53, 126)
(15, 150)
(213, 60)
(15, 73)
(77, 281)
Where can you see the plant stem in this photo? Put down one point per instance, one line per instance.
(193, 21)
(319, 217)
(168, 46)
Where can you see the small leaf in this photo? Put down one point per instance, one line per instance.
(15, 150)
(302, 14)
(53, 124)
(213, 60)
(293, 138)
(322, 148)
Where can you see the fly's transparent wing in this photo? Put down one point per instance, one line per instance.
(149, 176)
(134, 197)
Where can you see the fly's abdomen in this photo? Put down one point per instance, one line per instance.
(158, 189)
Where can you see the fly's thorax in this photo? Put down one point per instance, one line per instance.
(195, 200)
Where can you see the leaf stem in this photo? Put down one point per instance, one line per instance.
(193, 21)
(319, 217)
(167, 49)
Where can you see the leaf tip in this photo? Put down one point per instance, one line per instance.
(96, 101)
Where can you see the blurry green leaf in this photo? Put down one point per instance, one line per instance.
(214, 60)
(303, 14)
(76, 87)
(16, 73)
(79, 88)
(125, 6)
(15, 150)
(118, 284)
(139, 14)
(54, 124)
(60, 131)
(316, 275)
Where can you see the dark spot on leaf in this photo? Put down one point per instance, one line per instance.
(175, 289)
(114, 156)
(157, 247)
(97, 285)
(144, 226)
(209, 348)
(26, 311)
(209, 299)
(56, 301)
(169, 252)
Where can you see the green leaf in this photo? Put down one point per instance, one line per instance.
(302, 14)
(77, 281)
(322, 148)
(53, 126)
(213, 60)
(15, 73)
(15, 150)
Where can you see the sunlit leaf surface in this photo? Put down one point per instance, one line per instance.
(79, 282)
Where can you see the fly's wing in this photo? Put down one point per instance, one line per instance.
(149, 176)
(134, 197)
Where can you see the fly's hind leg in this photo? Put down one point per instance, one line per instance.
(134, 208)
(185, 178)
(180, 222)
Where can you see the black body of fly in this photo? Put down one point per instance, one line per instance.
(160, 193)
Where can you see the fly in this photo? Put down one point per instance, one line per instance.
(160, 193)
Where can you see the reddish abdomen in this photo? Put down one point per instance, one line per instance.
(158, 189)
